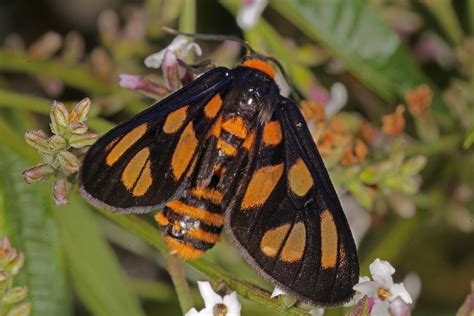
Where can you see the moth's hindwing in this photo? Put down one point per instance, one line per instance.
(286, 218)
(142, 163)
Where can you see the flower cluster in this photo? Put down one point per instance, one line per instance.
(11, 298)
(62, 152)
(216, 305)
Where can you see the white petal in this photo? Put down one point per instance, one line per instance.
(380, 308)
(233, 304)
(382, 271)
(179, 43)
(192, 312)
(191, 47)
(368, 288)
(277, 291)
(399, 290)
(155, 60)
(210, 297)
(317, 311)
(412, 283)
(399, 308)
(249, 14)
(337, 100)
(364, 279)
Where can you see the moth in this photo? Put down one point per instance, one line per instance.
(227, 150)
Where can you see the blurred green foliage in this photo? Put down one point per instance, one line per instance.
(406, 178)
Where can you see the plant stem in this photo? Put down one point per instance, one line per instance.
(187, 19)
(180, 283)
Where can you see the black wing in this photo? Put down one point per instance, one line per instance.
(286, 218)
(142, 163)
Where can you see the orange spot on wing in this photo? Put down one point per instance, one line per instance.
(272, 133)
(202, 235)
(175, 120)
(208, 194)
(263, 181)
(196, 213)
(144, 182)
(226, 148)
(183, 250)
(299, 178)
(137, 173)
(329, 240)
(161, 219)
(125, 143)
(213, 106)
(295, 244)
(235, 126)
(260, 65)
(272, 240)
(184, 151)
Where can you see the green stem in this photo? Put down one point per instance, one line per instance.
(187, 19)
(470, 4)
(75, 76)
(443, 144)
(180, 283)
(444, 11)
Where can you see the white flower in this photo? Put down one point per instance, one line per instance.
(277, 292)
(382, 289)
(249, 13)
(337, 100)
(213, 302)
(180, 47)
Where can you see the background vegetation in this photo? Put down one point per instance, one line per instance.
(406, 176)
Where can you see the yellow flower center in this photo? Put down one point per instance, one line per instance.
(383, 294)
(219, 310)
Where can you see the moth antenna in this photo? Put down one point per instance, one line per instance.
(213, 37)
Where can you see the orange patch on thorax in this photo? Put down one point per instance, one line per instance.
(261, 65)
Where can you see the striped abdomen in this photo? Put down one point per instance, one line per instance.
(192, 223)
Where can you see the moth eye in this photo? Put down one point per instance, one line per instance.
(125, 143)
(175, 120)
(184, 151)
(262, 184)
(272, 133)
(136, 176)
(213, 106)
(299, 178)
(329, 240)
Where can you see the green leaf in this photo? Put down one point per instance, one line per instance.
(95, 271)
(27, 219)
(356, 34)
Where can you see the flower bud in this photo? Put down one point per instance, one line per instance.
(68, 161)
(46, 46)
(38, 173)
(10, 255)
(57, 143)
(80, 111)
(4, 244)
(79, 141)
(20, 310)
(17, 264)
(37, 139)
(59, 117)
(3, 276)
(61, 191)
(77, 128)
(15, 295)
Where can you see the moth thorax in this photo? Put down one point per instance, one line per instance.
(190, 227)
